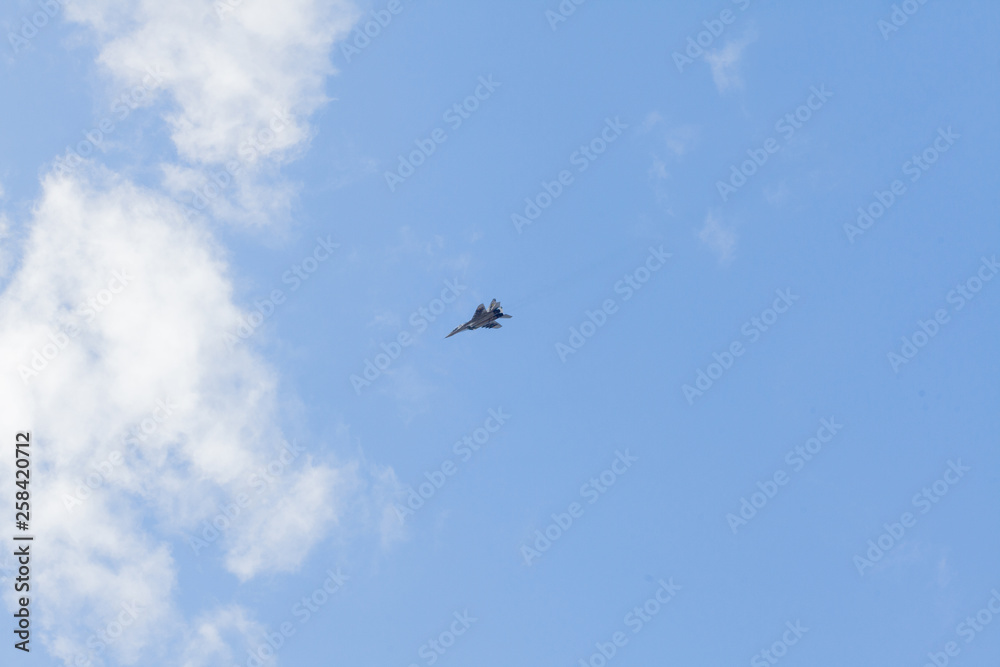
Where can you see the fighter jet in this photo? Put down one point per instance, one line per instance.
(483, 317)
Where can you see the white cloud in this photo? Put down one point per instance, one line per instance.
(725, 62)
(659, 175)
(257, 196)
(159, 338)
(239, 85)
(5, 251)
(682, 138)
(658, 170)
(210, 641)
(679, 140)
(650, 121)
(719, 239)
(113, 322)
(227, 72)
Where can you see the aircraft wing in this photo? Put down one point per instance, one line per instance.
(479, 311)
(493, 325)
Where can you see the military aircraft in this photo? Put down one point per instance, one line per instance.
(483, 317)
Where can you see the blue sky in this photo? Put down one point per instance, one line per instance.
(211, 381)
